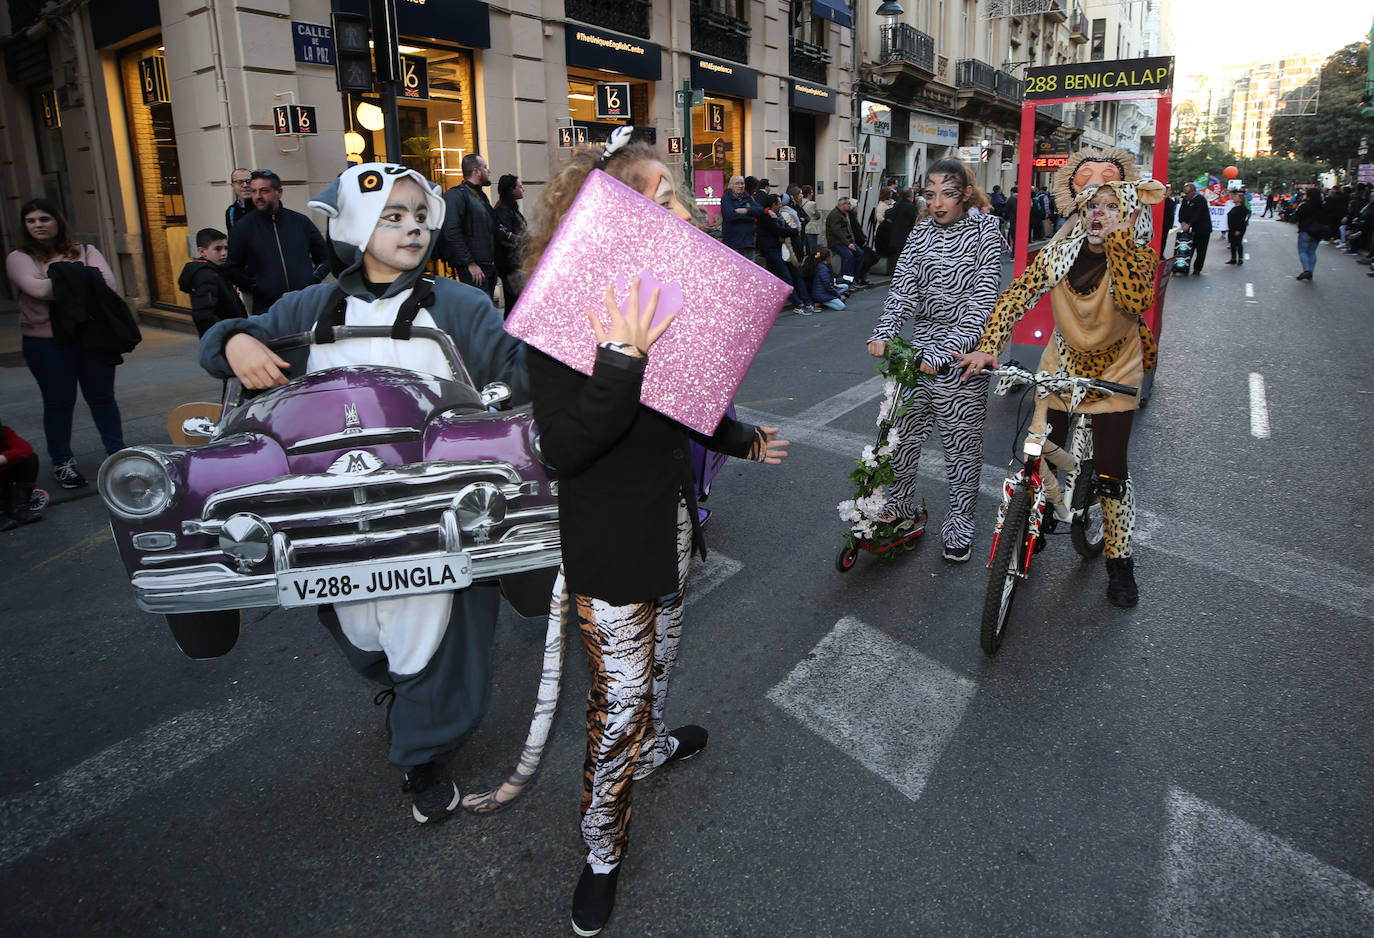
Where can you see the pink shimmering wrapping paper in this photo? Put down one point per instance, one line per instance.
(725, 304)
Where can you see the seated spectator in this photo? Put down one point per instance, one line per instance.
(18, 471)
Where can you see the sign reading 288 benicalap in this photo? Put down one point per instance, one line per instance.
(1084, 79)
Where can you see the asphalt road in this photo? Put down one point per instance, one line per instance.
(1197, 766)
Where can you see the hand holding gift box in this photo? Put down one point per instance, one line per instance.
(716, 305)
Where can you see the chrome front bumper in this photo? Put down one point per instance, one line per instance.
(210, 587)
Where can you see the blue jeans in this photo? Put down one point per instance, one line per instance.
(850, 260)
(1307, 251)
(59, 369)
(832, 304)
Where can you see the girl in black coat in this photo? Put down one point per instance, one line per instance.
(627, 517)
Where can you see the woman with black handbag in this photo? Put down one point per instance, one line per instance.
(59, 368)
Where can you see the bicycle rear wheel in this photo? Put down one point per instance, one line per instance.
(1004, 576)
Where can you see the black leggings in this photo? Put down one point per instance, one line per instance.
(1111, 437)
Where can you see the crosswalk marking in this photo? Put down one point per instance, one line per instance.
(32, 819)
(880, 702)
(1223, 876)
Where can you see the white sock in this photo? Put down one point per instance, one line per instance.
(599, 867)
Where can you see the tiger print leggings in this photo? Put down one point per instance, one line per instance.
(957, 408)
(631, 651)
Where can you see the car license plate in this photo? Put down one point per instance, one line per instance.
(374, 579)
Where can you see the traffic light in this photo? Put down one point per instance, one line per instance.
(352, 53)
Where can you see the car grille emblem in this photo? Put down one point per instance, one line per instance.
(354, 462)
(351, 424)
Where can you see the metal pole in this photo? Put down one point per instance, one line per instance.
(386, 53)
(687, 135)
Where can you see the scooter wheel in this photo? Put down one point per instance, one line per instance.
(38, 500)
(846, 558)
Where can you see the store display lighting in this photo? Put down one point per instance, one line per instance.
(370, 116)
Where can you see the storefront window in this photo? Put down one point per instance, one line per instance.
(582, 106)
(158, 173)
(435, 133)
(719, 151)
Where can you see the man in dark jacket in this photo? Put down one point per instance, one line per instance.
(903, 218)
(468, 241)
(738, 210)
(274, 251)
(1195, 216)
(213, 294)
(1170, 216)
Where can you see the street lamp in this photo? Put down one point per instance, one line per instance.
(889, 8)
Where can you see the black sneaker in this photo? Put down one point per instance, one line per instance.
(958, 554)
(67, 476)
(593, 901)
(1121, 588)
(691, 739)
(434, 796)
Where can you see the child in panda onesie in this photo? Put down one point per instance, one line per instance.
(433, 650)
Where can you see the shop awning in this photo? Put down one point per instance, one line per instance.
(837, 11)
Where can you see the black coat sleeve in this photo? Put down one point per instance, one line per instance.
(580, 418)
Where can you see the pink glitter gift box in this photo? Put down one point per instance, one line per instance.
(725, 303)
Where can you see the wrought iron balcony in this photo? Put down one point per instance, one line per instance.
(720, 34)
(809, 61)
(903, 43)
(1078, 26)
(1056, 11)
(626, 16)
(1009, 87)
(1052, 111)
(975, 74)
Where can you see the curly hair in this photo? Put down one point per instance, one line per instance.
(951, 167)
(632, 165)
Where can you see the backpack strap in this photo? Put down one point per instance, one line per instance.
(421, 295)
(332, 316)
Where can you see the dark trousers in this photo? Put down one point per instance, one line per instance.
(59, 370)
(783, 271)
(18, 476)
(488, 272)
(1236, 240)
(1200, 241)
(849, 260)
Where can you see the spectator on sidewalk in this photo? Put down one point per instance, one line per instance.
(60, 368)
(18, 472)
(468, 243)
(510, 231)
(213, 295)
(738, 215)
(274, 250)
(243, 198)
(839, 237)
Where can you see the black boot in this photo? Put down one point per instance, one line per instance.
(7, 523)
(1121, 588)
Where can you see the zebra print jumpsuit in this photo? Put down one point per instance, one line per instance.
(947, 281)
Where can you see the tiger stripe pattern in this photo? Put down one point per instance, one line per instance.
(946, 283)
(631, 651)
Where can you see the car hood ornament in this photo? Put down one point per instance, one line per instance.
(351, 423)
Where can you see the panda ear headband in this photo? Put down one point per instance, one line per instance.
(355, 199)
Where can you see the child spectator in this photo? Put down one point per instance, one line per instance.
(817, 272)
(18, 470)
(213, 295)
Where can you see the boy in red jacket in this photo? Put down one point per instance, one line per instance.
(18, 470)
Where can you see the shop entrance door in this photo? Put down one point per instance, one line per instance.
(801, 133)
(162, 207)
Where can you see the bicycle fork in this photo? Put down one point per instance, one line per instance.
(1029, 479)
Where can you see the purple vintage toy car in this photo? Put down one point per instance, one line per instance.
(348, 483)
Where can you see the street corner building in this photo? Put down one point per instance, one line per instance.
(132, 114)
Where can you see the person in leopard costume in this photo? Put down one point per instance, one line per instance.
(1100, 275)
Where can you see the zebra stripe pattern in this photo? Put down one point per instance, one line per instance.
(946, 284)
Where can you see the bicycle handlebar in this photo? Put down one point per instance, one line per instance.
(1058, 382)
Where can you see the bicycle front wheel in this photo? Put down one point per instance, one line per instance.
(1005, 575)
(1086, 527)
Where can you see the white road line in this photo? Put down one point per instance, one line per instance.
(1259, 408)
(881, 702)
(707, 574)
(1250, 290)
(31, 820)
(835, 407)
(1325, 583)
(1223, 876)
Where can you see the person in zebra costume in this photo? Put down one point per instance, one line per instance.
(946, 282)
(628, 522)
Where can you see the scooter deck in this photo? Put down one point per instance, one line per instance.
(884, 545)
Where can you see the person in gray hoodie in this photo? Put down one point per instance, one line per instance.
(433, 651)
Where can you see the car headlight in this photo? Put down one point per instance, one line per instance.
(135, 484)
(479, 505)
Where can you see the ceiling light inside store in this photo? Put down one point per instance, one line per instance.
(581, 97)
(370, 116)
(409, 50)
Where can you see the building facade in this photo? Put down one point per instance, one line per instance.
(131, 114)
